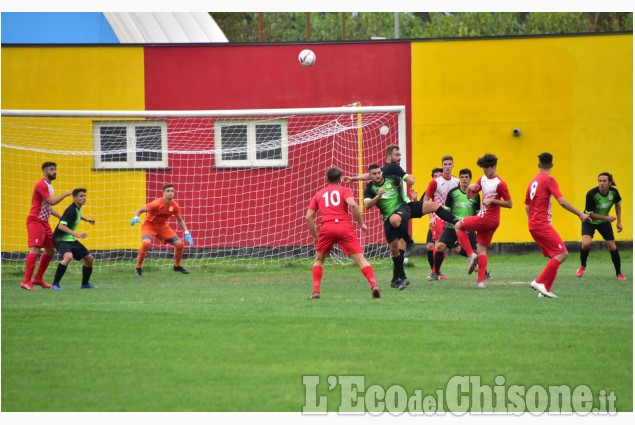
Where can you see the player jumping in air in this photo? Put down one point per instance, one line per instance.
(384, 192)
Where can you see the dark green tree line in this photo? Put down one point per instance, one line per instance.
(335, 26)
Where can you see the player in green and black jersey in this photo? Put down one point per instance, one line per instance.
(599, 202)
(385, 193)
(461, 206)
(65, 240)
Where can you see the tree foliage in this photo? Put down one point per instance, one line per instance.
(336, 26)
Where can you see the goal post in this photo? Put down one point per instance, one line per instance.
(243, 178)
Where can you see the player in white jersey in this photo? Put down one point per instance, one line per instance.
(495, 196)
(437, 191)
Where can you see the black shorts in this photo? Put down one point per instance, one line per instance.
(605, 229)
(449, 238)
(78, 250)
(392, 233)
(416, 209)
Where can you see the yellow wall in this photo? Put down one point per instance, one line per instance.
(571, 96)
(85, 78)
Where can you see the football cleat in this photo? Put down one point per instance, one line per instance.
(40, 282)
(28, 286)
(181, 269)
(472, 263)
(138, 272)
(480, 285)
(621, 277)
(57, 287)
(433, 276)
(315, 295)
(403, 283)
(443, 277)
(376, 292)
(88, 286)
(580, 271)
(541, 289)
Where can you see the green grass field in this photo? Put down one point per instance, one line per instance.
(241, 337)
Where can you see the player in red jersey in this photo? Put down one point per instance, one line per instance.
(437, 191)
(495, 196)
(155, 225)
(430, 242)
(39, 229)
(538, 207)
(334, 202)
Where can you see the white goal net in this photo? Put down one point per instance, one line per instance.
(243, 179)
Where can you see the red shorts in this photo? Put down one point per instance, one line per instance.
(163, 233)
(341, 233)
(548, 240)
(437, 229)
(40, 233)
(484, 229)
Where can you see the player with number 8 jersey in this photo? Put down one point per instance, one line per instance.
(333, 203)
(542, 188)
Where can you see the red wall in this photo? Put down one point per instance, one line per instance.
(220, 77)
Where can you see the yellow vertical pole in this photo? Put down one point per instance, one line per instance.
(360, 160)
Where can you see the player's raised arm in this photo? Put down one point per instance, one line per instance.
(360, 178)
(54, 200)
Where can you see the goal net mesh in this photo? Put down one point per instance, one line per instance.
(243, 181)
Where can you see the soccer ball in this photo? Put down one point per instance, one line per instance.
(306, 57)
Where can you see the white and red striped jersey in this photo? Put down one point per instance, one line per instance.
(495, 188)
(40, 209)
(439, 187)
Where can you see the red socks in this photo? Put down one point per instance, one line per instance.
(31, 259)
(482, 267)
(317, 277)
(548, 274)
(370, 276)
(45, 260)
(464, 240)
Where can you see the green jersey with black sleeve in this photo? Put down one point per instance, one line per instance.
(460, 205)
(71, 218)
(391, 200)
(601, 204)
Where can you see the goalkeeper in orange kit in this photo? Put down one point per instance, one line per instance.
(158, 212)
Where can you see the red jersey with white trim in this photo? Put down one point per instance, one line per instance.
(159, 212)
(40, 209)
(494, 188)
(538, 197)
(331, 203)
